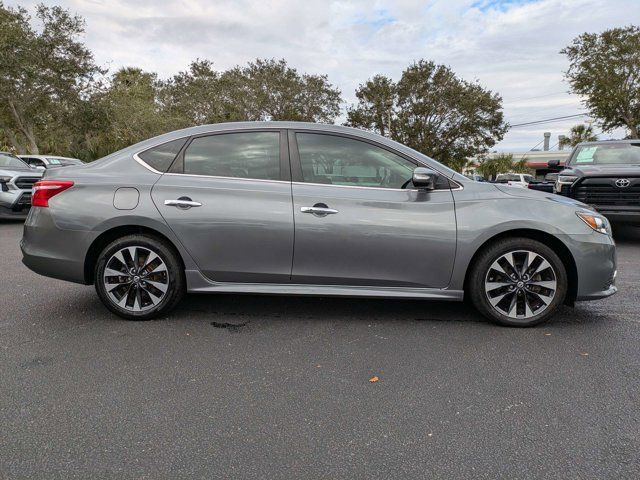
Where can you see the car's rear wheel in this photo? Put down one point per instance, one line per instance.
(518, 282)
(139, 277)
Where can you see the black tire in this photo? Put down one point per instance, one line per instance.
(481, 272)
(174, 278)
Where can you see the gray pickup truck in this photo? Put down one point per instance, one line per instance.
(16, 182)
(605, 175)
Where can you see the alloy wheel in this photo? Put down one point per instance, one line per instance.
(135, 278)
(521, 284)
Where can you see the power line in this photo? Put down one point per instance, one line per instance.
(548, 120)
(537, 96)
(547, 110)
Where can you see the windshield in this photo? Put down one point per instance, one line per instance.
(63, 161)
(607, 154)
(9, 161)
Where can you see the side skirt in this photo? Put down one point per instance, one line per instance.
(197, 283)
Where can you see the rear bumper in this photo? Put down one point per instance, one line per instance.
(51, 251)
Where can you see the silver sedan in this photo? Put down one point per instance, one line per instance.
(305, 209)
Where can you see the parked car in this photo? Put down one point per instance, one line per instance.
(546, 185)
(16, 180)
(475, 177)
(515, 179)
(305, 209)
(605, 175)
(48, 161)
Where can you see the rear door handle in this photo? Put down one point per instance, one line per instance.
(182, 203)
(318, 210)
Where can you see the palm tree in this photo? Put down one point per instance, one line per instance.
(489, 168)
(579, 133)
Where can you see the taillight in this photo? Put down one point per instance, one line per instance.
(45, 189)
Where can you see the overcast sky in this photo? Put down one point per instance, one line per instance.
(509, 46)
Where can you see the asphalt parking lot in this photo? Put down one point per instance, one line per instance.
(275, 387)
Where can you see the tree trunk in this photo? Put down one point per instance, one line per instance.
(15, 143)
(32, 146)
(633, 131)
(25, 129)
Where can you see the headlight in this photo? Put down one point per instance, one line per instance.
(599, 224)
(567, 179)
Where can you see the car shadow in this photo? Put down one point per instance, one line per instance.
(229, 310)
(323, 308)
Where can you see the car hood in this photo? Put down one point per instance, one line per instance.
(12, 172)
(539, 195)
(602, 170)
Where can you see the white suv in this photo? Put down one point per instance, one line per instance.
(16, 182)
(521, 180)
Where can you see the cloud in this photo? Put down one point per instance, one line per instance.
(509, 46)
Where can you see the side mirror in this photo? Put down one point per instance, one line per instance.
(553, 163)
(424, 178)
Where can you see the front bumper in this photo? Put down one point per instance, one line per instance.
(595, 260)
(619, 215)
(599, 295)
(15, 204)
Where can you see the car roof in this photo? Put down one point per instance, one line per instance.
(276, 125)
(218, 127)
(610, 142)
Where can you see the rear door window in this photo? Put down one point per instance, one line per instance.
(253, 155)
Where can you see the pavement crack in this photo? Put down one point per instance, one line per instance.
(232, 327)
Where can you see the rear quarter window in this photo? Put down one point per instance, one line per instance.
(162, 156)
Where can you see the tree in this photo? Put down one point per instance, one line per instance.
(433, 111)
(45, 73)
(579, 133)
(271, 90)
(194, 97)
(376, 99)
(261, 90)
(490, 167)
(130, 110)
(605, 69)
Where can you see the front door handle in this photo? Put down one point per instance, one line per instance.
(182, 202)
(317, 210)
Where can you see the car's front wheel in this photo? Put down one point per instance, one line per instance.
(139, 277)
(518, 282)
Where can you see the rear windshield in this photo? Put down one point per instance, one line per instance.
(508, 177)
(607, 154)
(9, 161)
